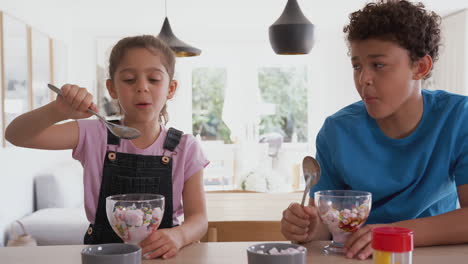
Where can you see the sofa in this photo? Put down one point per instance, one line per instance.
(44, 190)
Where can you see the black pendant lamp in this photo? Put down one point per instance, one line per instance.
(292, 33)
(180, 48)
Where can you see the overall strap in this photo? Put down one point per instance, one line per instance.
(111, 138)
(172, 139)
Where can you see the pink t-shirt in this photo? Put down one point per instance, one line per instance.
(92, 147)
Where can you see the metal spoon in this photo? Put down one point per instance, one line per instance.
(118, 130)
(311, 170)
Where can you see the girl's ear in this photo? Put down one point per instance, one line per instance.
(172, 89)
(422, 67)
(111, 89)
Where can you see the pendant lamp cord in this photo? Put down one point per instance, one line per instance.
(165, 7)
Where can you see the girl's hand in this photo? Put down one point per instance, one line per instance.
(164, 242)
(359, 243)
(74, 102)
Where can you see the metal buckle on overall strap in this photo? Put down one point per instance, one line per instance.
(172, 140)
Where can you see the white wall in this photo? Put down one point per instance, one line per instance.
(52, 19)
(222, 29)
(331, 85)
(230, 33)
(235, 32)
(450, 72)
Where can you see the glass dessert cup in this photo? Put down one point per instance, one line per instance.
(133, 217)
(344, 212)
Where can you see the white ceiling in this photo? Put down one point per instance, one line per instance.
(248, 14)
(199, 21)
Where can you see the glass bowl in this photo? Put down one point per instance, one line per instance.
(133, 217)
(344, 212)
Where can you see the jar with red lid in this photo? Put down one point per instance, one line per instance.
(392, 245)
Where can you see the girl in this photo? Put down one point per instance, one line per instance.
(161, 161)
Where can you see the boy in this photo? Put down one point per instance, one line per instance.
(407, 146)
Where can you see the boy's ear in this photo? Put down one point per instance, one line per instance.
(172, 89)
(111, 88)
(422, 67)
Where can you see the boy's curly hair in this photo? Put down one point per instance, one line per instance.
(410, 25)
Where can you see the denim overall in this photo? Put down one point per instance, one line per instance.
(132, 173)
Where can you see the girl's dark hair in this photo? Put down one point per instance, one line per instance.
(150, 43)
(409, 25)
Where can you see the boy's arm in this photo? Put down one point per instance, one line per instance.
(36, 129)
(443, 229)
(321, 231)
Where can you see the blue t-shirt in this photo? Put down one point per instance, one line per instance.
(409, 178)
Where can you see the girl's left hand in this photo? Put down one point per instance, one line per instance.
(359, 243)
(164, 242)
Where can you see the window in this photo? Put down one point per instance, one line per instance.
(208, 85)
(208, 88)
(266, 108)
(284, 90)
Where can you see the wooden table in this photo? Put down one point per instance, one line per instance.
(246, 216)
(249, 206)
(217, 253)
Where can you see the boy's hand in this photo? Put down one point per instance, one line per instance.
(163, 243)
(299, 223)
(74, 102)
(359, 243)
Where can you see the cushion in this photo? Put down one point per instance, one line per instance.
(60, 186)
(55, 226)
